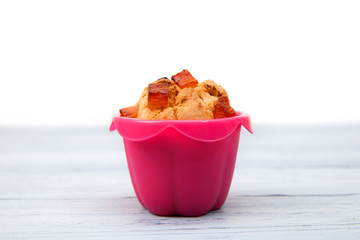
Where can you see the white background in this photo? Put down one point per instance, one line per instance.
(78, 62)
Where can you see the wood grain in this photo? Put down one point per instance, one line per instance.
(290, 182)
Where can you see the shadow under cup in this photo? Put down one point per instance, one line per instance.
(181, 167)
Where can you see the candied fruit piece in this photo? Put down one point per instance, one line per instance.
(222, 108)
(130, 112)
(184, 79)
(158, 96)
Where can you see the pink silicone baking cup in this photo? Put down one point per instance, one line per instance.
(181, 167)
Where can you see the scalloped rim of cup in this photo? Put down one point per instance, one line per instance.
(241, 118)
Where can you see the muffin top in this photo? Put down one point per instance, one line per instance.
(181, 98)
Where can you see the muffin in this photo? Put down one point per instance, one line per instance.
(181, 140)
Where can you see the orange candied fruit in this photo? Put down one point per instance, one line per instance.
(158, 96)
(184, 79)
(130, 112)
(222, 108)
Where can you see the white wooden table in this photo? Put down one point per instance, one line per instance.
(290, 182)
